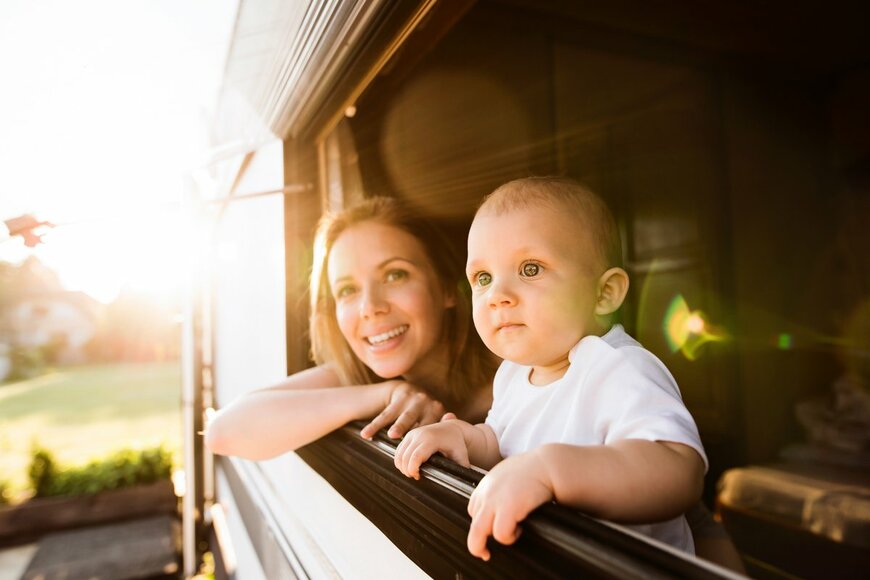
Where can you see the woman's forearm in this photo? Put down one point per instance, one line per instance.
(264, 424)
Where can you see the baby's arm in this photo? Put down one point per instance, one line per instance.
(629, 481)
(462, 442)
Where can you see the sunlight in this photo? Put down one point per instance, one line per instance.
(143, 252)
(102, 128)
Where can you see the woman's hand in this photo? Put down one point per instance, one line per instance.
(406, 407)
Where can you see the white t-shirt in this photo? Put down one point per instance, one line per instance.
(614, 389)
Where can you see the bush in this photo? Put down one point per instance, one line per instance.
(124, 468)
(5, 493)
(27, 362)
(42, 472)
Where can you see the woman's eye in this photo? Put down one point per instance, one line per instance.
(395, 275)
(483, 279)
(344, 292)
(531, 269)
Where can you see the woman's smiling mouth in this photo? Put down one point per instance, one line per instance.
(379, 339)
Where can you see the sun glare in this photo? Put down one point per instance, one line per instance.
(143, 252)
(102, 128)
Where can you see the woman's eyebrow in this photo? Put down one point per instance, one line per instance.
(395, 258)
(379, 266)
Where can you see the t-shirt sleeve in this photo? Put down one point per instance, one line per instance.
(639, 399)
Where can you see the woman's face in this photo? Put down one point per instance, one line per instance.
(388, 302)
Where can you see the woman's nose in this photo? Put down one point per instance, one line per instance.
(373, 302)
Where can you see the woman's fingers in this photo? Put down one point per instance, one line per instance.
(408, 407)
(379, 422)
(430, 410)
(430, 415)
(404, 423)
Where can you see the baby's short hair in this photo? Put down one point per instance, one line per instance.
(561, 194)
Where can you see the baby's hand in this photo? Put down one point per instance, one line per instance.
(421, 443)
(504, 498)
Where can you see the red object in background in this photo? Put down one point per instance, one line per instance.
(24, 226)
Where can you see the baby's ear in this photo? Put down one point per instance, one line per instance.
(612, 288)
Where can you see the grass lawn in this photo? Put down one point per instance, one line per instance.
(86, 412)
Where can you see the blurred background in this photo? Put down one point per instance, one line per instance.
(105, 108)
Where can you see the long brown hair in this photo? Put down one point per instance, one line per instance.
(471, 366)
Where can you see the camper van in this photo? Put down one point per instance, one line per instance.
(731, 140)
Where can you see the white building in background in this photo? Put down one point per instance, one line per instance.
(68, 319)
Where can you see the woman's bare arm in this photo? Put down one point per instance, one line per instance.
(304, 407)
(308, 405)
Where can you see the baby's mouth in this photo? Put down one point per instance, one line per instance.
(385, 336)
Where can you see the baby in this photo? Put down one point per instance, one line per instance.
(582, 413)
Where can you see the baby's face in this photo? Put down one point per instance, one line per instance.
(534, 277)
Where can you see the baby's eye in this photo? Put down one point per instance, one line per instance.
(344, 292)
(482, 279)
(531, 269)
(395, 275)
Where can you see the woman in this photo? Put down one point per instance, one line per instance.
(387, 302)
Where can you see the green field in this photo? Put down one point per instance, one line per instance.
(85, 412)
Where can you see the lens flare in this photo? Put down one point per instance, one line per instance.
(675, 324)
(687, 331)
(695, 324)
